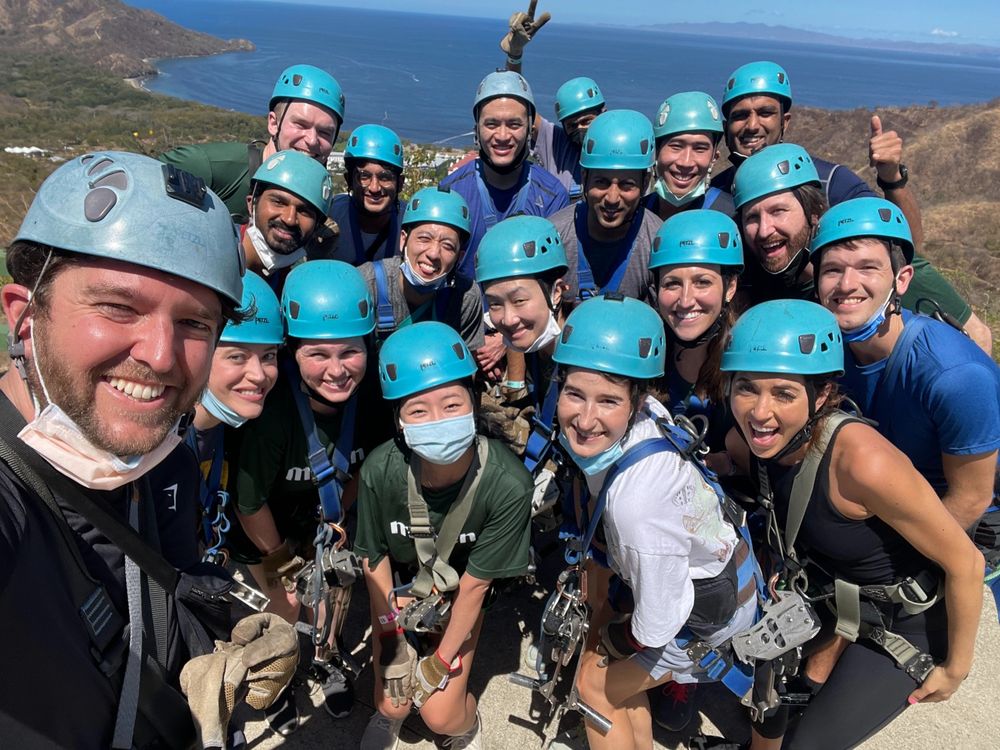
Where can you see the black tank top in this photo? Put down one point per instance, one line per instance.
(861, 552)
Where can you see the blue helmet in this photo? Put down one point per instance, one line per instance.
(698, 237)
(327, 299)
(299, 174)
(504, 83)
(520, 246)
(309, 84)
(755, 79)
(577, 95)
(438, 205)
(135, 209)
(863, 217)
(421, 356)
(375, 143)
(613, 334)
(266, 326)
(688, 112)
(789, 336)
(773, 169)
(619, 139)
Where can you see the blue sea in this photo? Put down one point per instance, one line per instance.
(416, 73)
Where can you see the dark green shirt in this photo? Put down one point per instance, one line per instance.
(495, 538)
(225, 168)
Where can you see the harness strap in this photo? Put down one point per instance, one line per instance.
(385, 320)
(711, 195)
(388, 235)
(805, 478)
(585, 282)
(433, 550)
(540, 443)
(328, 475)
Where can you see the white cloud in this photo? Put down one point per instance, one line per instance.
(944, 33)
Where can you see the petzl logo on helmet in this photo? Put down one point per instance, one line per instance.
(849, 220)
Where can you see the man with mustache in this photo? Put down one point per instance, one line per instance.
(124, 273)
(290, 196)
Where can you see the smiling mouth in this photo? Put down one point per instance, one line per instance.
(135, 390)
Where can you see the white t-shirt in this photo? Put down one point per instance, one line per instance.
(664, 529)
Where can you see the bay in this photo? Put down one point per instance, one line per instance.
(417, 73)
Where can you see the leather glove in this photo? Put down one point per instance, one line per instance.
(398, 660)
(281, 567)
(523, 28)
(617, 641)
(431, 675)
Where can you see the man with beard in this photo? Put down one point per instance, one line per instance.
(369, 213)
(779, 199)
(290, 195)
(124, 274)
(608, 235)
(756, 107)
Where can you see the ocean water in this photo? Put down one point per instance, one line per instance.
(416, 73)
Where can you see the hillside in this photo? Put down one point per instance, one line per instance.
(106, 33)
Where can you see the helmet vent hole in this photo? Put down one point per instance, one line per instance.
(885, 214)
(590, 145)
(644, 146)
(807, 342)
(363, 308)
(783, 167)
(296, 80)
(293, 309)
(459, 351)
(657, 241)
(824, 347)
(781, 77)
(390, 371)
(99, 165)
(645, 345)
(99, 203)
(567, 331)
(115, 179)
(87, 159)
(529, 249)
(723, 239)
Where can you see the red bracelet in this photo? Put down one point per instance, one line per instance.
(447, 665)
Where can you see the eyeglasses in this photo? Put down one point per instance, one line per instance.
(385, 178)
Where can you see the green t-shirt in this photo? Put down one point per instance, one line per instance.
(273, 463)
(225, 168)
(495, 538)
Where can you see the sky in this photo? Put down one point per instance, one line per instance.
(967, 21)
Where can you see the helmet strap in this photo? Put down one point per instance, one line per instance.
(15, 346)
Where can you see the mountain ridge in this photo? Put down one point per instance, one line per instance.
(109, 34)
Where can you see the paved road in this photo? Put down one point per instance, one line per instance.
(969, 721)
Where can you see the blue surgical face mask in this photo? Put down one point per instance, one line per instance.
(592, 465)
(220, 411)
(869, 329)
(664, 192)
(441, 442)
(420, 285)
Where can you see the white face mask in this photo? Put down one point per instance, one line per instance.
(59, 440)
(677, 201)
(546, 337)
(272, 261)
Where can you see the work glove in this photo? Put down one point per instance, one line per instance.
(398, 660)
(523, 28)
(281, 567)
(431, 675)
(254, 666)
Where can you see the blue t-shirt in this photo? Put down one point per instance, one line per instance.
(537, 193)
(945, 398)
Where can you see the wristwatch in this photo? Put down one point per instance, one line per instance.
(904, 177)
